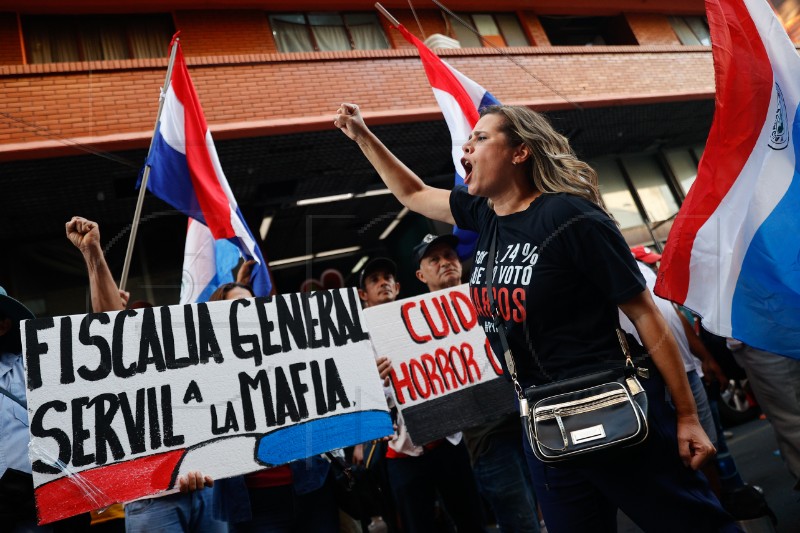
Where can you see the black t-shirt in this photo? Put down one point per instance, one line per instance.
(561, 268)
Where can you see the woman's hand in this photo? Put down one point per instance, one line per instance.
(694, 446)
(350, 121)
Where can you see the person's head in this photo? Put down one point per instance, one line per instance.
(231, 291)
(511, 141)
(438, 265)
(12, 313)
(377, 282)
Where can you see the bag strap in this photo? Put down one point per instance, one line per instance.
(497, 318)
(499, 323)
(6, 393)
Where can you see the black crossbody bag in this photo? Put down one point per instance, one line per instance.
(568, 419)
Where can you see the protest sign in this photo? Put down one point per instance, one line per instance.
(445, 376)
(122, 403)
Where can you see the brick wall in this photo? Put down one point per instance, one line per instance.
(211, 33)
(107, 98)
(10, 48)
(652, 29)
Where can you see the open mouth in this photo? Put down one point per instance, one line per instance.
(467, 169)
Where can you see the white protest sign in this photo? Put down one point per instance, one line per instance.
(225, 387)
(444, 373)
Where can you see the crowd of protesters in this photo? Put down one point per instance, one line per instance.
(523, 184)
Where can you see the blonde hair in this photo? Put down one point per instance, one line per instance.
(554, 166)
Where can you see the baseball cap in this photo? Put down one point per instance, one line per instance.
(378, 263)
(429, 240)
(12, 308)
(645, 255)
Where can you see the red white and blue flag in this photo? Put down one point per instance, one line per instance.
(460, 99)
(186, 173)
(733, 254)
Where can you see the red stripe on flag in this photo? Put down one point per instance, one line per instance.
(744, 87)
(210, 195)
(440, 77)
(121, 482)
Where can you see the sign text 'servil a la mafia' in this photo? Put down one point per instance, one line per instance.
(225, 388)
(444, 373)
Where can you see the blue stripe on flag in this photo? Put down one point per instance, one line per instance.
(226, 257)
(765, 310)
(170, 180)
(488, 99)
(259, 276)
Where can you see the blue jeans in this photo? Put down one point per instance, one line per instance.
(703, 406)
(176, 513)
(503, 479)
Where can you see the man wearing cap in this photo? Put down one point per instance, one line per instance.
(495, 448)
(415, 472)
(437, 262)
(17, 508)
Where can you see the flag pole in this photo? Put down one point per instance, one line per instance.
(393, 21)
(123, 280)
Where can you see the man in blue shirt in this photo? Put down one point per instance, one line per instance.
(17, 509)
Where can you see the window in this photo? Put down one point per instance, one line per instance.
(651, 186)
(56, 39)
(683, 165)
(618, 199)
(498, 29)
(691, 31)
(308, 32)
(568, 30)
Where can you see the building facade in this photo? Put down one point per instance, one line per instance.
(630, 82)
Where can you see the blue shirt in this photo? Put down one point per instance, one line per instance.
(13, 417)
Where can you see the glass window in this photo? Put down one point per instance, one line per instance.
(568, 30)
(366, 31)
(682, 163)
(617, 197)
(691, 31)
(328, 31)
(511, 29)
(324, 31)
(56, 39)
(651, 186)
(488, 29)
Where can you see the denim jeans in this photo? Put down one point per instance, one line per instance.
(501, 473)
(176, 513)
(703, 406)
